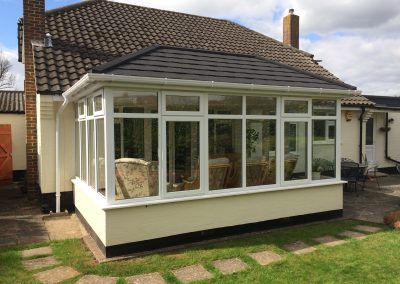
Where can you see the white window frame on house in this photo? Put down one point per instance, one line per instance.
(202, 116)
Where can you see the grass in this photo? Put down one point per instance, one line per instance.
(372, 260)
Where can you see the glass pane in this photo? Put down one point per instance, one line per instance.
(260, 148)
(292, 106)
(260, 105)
(183, 103)
(90, 106)
(81, 109)
(98, 103)
(324, 107)
(83, 150)
(136, 157)
(295, 142)
(136, 102)
(225, 153)
(183, 155)
(370, 132)
(224, 104)
(101, 162)
(77, 150)
(324, 149)
(91, 157)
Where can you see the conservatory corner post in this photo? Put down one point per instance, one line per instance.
(109, 145)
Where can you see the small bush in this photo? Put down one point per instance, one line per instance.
(393, 219)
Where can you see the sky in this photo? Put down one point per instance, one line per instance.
(358, 41)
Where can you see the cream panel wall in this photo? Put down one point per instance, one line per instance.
(18, 136)
(46, 132)
(93, 214)
(154, 221)
(394, 136)
(350, 134)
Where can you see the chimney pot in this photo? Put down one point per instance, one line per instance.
(291, 11)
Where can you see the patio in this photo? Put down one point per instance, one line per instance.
(373, 203)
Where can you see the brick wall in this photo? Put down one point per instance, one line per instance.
(34, 19)
(291, 28)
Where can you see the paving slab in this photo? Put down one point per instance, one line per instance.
(265, 257)
(37, 263)
(36, 251)
(230, 266)
(329, 241)
(90, 279)
(368, 229)
(299, 247)
(352, 234)
(192, 273)
(149, 278)
(56, 275)
(64, 227)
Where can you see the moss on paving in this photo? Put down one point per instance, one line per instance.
(372, 260)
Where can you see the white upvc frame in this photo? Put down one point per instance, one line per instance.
(202, 150)
(300, 99)
(309, 151)
(201, 97)
(203, 117)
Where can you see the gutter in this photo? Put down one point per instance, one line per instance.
(360, 154)
(387, 140)
(109, 78)
(58, 162)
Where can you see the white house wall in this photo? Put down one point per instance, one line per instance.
(46, 111)
(394, 136)
(18, 138)
(350, 135)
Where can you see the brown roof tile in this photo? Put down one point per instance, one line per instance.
(357, 100)
(98, 31)
(12, 102)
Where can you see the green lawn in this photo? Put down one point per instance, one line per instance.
(372, 260)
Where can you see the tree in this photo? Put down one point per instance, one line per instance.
(7, 79)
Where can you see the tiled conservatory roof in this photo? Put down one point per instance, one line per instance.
(203, 65)
(12, 102)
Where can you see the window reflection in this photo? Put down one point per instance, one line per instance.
(295, 144)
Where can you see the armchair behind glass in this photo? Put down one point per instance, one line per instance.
(134, 178)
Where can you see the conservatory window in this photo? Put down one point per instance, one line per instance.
(324, 149)
(100, 158)
(295, 150)
(183, 155)
(260, 152)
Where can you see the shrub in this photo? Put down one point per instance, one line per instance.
(393, 219)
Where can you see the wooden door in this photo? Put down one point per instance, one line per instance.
(6, 171)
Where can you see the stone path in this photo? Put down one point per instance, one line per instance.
(299, 247)
(329, 241)
(40, 258)
(230, 266)
(192, 273)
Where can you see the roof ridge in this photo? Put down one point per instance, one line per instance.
(72, 6)
(163, 10)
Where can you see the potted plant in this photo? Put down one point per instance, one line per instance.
(317, 168)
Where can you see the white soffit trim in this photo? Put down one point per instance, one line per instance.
(113, 80)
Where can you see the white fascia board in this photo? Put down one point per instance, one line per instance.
(115, 80)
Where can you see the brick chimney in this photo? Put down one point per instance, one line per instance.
(33, 30)
(291, 29)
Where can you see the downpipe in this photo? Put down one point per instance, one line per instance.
(58, 161)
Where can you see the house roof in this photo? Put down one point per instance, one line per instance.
(357, 100)
(91, 33)
(385, 102)
(12, 102)
(202, 65)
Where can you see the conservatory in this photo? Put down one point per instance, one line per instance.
(166, 161)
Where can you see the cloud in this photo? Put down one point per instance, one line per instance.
(17, 68)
